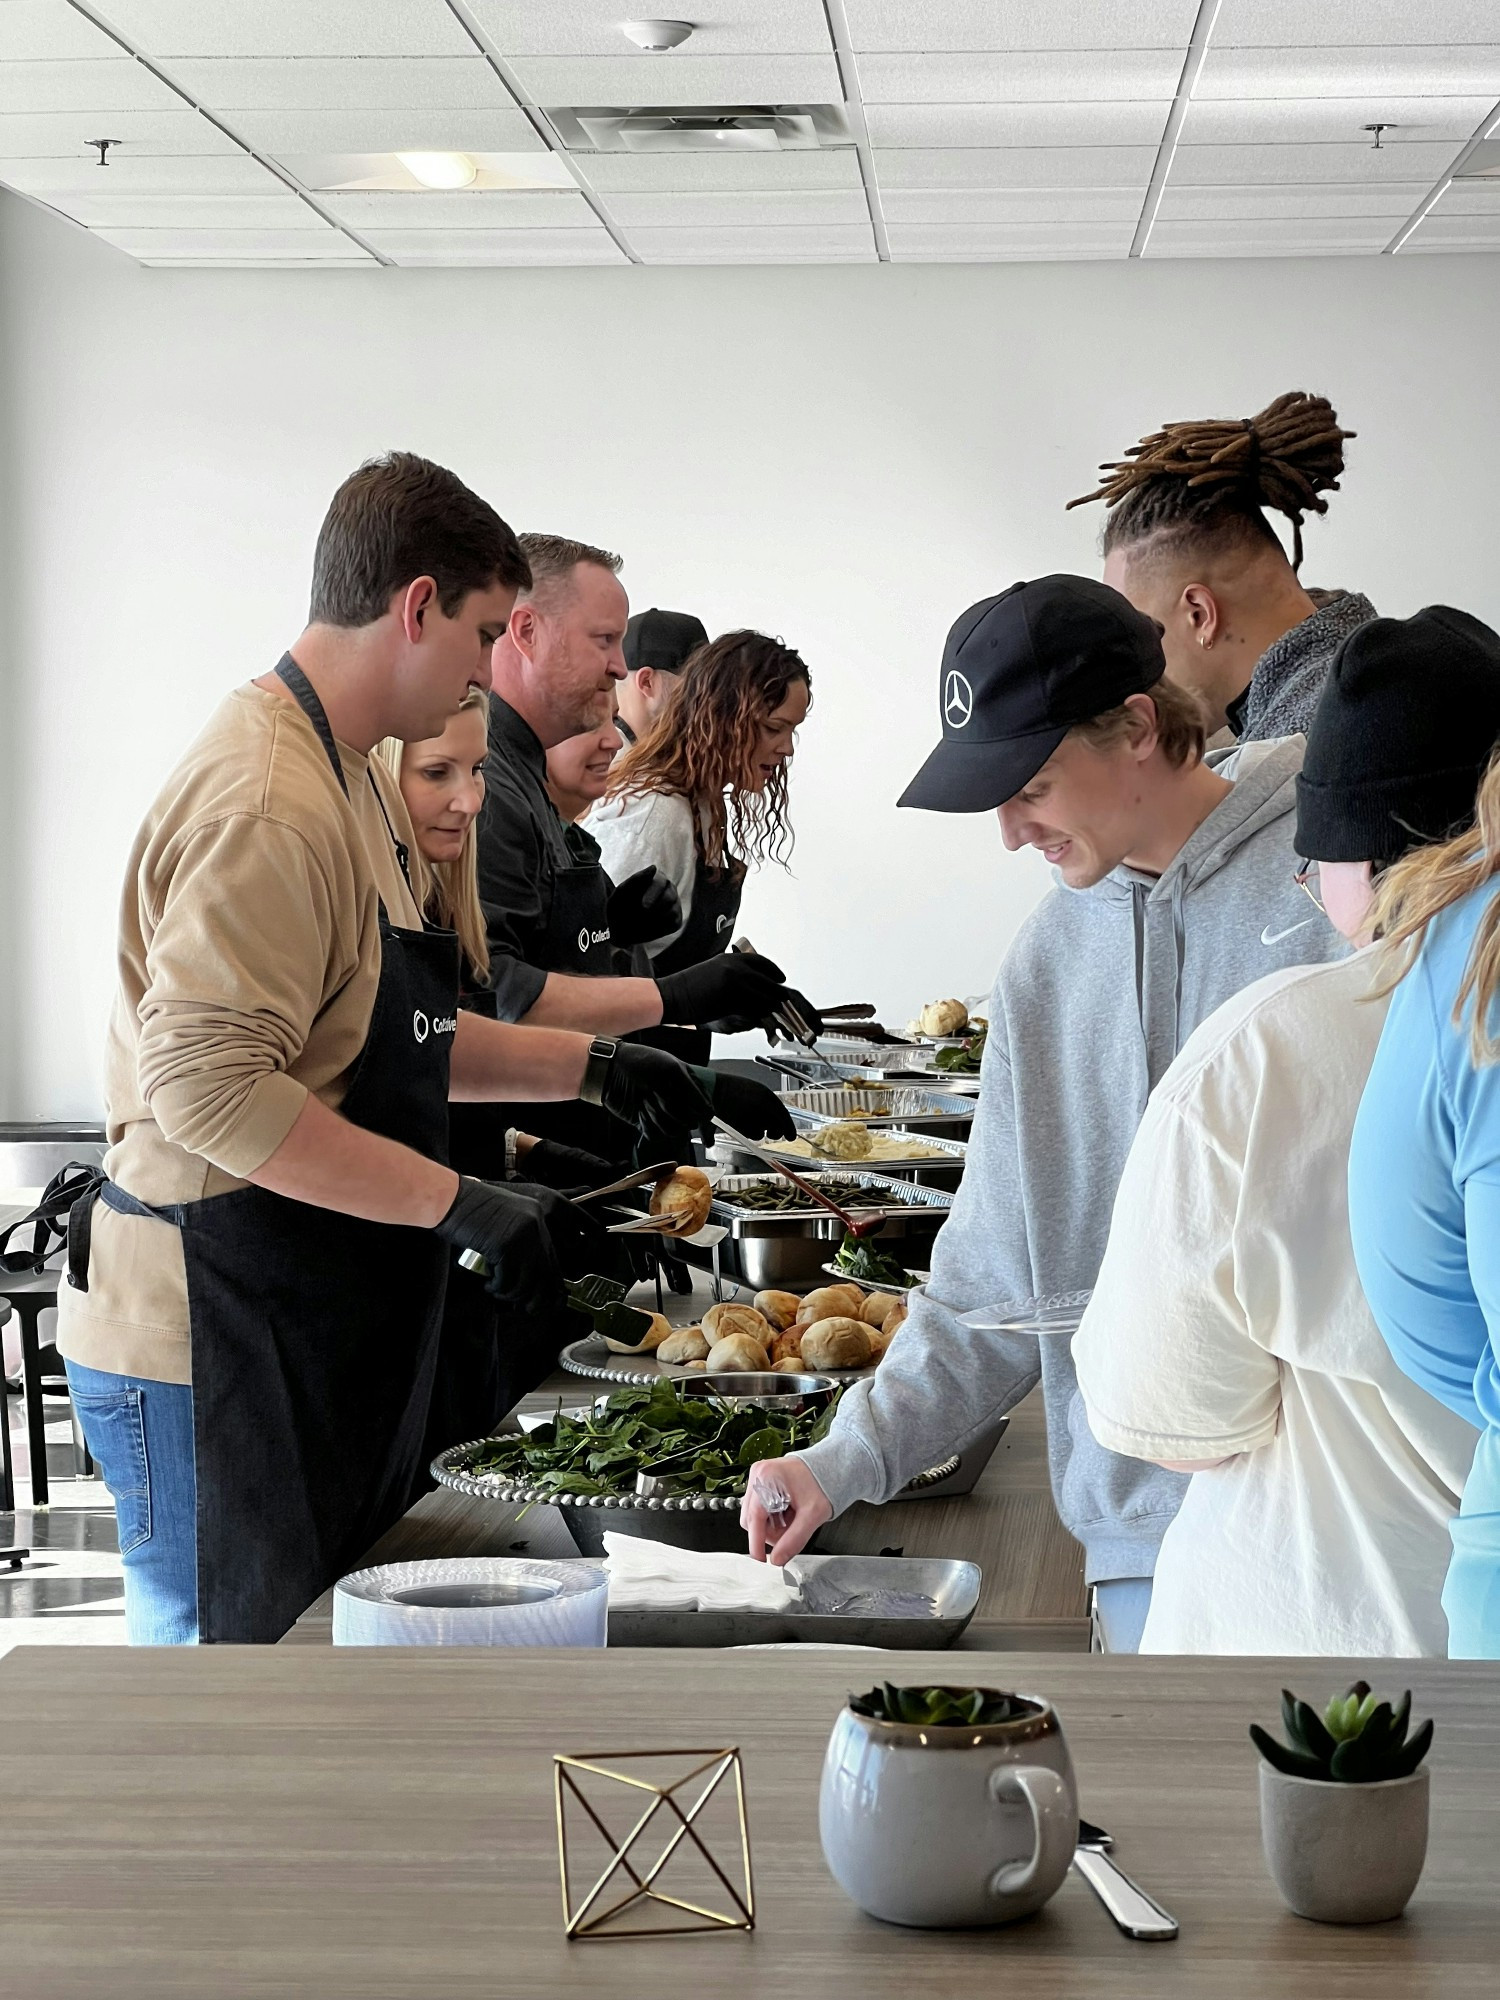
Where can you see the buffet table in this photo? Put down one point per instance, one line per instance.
(1032, 1596)
(378, 1825)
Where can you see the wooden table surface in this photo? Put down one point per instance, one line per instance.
(378, 1825)
(1032, 1597)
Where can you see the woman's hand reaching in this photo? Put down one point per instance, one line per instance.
(783, 1508)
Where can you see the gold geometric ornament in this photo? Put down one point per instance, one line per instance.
(591, 1915)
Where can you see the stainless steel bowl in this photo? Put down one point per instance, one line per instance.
(772, 1249)
(793, 1395)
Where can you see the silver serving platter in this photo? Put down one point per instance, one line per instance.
(880, 1104)
(592, 1358)
(869, 1285)
(846, 1600)
(898, 1199)
(776, 1249)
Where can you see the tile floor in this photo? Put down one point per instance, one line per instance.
(69, 1592)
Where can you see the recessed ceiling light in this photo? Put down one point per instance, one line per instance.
(656, 36)
(440, 170)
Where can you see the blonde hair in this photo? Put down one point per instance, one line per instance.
(1181, 730)
(448, 891)
(1424, 883)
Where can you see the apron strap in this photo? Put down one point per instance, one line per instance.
(306, 697)
(81, 1221)
(48, 1219)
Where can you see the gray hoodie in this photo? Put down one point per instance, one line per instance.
(1289, 675)
(1098, 992)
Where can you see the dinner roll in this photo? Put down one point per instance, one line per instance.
(688, 1343)
(685, 1198)
(787, 1346)
(737, 1354)
(831, 1302)
(722, 1320)
(780, 1308)
(894, 1318)
(660, 1328)
(792, 1365)
(878, 1307)
(944, 1017)
(836, 1343)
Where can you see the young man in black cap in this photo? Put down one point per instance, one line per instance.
(1176, 890)
(657, 647)
(1238, 1344)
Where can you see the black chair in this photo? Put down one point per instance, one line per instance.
(7, 1470)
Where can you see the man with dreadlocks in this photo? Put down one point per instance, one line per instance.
(1186, 539)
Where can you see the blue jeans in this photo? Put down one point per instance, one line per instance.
(1120, 1607)
(141, 1435)
(1471, 1595)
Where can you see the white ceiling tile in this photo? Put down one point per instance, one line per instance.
(1419, 243)
(317, 241)
(282, 210)
(32, 30)
(963, 125)
(1230, 238)
(663, 173)
(1238, 166)
(592, 28)
(680, 79)
(204, 173)
(714, 211)
(756, 246)
(64, 135)
(1313, 120)
(726, 250)
(343, 83)
(1391, 199)
(971, 206)
(1016, 167)
(1480, 231)
(1472, 71)
(1070, 76)
(1283, 24)
(386, 131)
(227, 261)
(457, 247)
(167, 28)
(368, 211)
(117, 83)
(1469, 197)
(918, 25)
(1008, 239)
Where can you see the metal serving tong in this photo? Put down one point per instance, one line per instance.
(787, 1016)
(867, 1227)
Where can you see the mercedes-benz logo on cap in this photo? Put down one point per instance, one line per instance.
(958, 700)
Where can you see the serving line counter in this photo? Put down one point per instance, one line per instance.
(379, 1824)
(1032, 1595)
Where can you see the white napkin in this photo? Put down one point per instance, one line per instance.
(654, 1576)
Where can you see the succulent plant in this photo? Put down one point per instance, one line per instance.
(939, 1707)
(1358, 1740)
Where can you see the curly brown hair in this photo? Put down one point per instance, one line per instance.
(702, 747)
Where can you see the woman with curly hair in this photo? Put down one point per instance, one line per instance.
(703, 795)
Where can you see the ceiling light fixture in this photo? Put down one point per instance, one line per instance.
(440, 170)
(656, 36)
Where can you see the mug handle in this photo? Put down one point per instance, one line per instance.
(1054, 1821)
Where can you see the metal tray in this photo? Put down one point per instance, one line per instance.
(777, 1251)
(882, 1104)
(952, 1587)
(592, 1358)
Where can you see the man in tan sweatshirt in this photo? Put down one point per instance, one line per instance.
(256, 1287)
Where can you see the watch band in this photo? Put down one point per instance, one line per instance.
(596, 1069)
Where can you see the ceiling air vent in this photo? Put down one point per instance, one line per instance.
(713, 128)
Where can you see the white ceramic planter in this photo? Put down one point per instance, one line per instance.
(948, 1828)
(1344, 1854)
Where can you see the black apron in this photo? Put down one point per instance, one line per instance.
(708, 931)
(314, 1334)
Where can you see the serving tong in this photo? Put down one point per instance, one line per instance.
(867, 1227)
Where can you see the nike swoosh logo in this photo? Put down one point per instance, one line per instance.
(1268, 936)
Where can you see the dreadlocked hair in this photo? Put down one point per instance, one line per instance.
(703, 745)
(1421, 885)
(1210, 481)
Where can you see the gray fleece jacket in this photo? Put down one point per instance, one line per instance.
(1098, 992)
(1289, 675)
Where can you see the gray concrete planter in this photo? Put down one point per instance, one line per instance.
(1344, 1854)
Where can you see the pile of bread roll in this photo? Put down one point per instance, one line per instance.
(837, 1326)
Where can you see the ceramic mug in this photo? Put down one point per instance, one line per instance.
(949, 1827)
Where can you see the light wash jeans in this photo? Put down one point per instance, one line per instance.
(1120, 1608)
(141, 1435)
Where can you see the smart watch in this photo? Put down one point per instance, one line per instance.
(596, 1069)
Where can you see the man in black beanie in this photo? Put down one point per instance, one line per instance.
(1228, 1335)
(658, 645)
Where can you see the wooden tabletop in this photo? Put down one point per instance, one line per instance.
(378, 1825)
(1032, 1596)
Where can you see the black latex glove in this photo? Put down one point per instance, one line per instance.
(642, 907)
(804, 1007)
(736, 984)
(749, 1107)
(524, 1233)
(569, 1168)
(654, 1091)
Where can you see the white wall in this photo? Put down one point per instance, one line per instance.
(847, 457)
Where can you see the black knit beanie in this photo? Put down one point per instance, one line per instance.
(1404, 728)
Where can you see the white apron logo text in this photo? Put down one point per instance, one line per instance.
(421, 1027)
(958, 700)
(586, 937)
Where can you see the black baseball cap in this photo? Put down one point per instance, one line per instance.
(1019, 670)
(662, 639)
